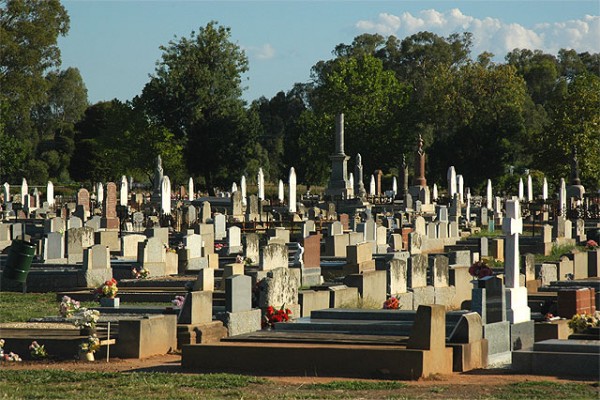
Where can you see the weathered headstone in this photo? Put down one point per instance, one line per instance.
(109, 212)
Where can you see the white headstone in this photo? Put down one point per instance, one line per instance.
(36, 197)
(394, 186)
(489, 196)
(292, 190)
(165, 195)
(234, 188)
(468, 208)
(123, 191)
(516, 295)
(529, 189)
(562, 198)
(435, 192)
(460, 186)
(6, 189)
(261, 184)
(50, 193)
(191, 189)
(451, 182)
(100, 192)
(521, 190)
(372, 186)
(351, 182)
(280, 195)
(24, 189)
(545, 190)
(243, 189)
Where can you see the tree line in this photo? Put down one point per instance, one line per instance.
(489, 119)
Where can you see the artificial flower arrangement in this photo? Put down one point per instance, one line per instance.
(591, 245)
(90, 345)
(37, 351)
(480, 269)
(8, 356)
(581, 322)
(68, 307)
(178, 301)
(219, 246)
(391, 303)
(142, 273)
(108, 289)
(272, 316)
(86, 318)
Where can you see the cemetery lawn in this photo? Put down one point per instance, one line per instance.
(19, 307)
(161, 377)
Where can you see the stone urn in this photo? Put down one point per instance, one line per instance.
(112, 302)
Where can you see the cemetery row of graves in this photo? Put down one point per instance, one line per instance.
(400, 283)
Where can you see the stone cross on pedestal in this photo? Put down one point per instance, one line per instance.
(516, 295)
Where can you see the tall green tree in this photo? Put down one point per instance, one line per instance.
(575, 123)
(29, 30)
(196, 94)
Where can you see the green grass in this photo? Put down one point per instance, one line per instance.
(487, 233)
(557, 252)
(358, 385)
(547, 390)
(19, 307)
(58, 384)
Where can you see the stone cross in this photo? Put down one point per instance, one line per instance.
(292, 190)
(516, 296)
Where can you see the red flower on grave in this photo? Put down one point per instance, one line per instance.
(273, 316)
(480, 270)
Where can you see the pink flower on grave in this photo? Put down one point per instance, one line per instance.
(391, 303)
(591, 245)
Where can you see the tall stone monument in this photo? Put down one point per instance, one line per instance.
(109, 219)
(158, 178)
(359, 185)
(339, 187)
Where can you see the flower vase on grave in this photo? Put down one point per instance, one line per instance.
(90, 356)
(111, 302)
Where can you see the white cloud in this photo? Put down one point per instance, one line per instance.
(492, 34)
(264, 52)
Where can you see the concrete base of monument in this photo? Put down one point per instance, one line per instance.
(516, 305)
(318, 359)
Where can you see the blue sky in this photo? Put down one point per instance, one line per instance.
(115, 44)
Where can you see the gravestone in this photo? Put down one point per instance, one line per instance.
(138, 221)
(74, 222)
(438, 269)
(488, 300)
(96, 265)
(252, 249)
(219, 225)
(205, 282)
(78, 239)
(83, 199)
(129, 245)
(54, 247)
(56, 224)
(234, 240)
(417, 271)
(94, 223)
(273, 256)
(109, 212)
(237, 205)
(238, 293)
(205, 215)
